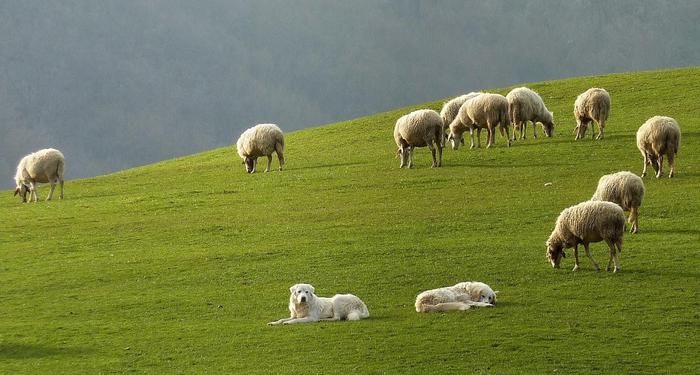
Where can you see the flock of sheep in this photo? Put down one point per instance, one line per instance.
(591, 221)
(600, 219)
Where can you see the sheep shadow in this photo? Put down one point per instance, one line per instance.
(29, 351)
(328, 165)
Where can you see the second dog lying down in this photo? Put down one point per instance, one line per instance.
(461, 296)
(306, 307)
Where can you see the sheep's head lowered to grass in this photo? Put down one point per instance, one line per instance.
(554, 254)
(22, 190)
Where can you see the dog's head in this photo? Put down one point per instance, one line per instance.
(478, 291)
(301, 293)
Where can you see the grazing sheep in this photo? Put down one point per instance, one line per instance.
(657, 137)
(482, 111)
(461, 296)
(526, 105)
(592, 105)
(625, 189)
(43, 166)
(261, 140)
(451, 108)
(419, 129)
(586, 222)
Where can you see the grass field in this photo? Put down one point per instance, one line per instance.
(176, 267)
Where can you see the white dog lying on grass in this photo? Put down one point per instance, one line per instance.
(306, 307)
(458, 297)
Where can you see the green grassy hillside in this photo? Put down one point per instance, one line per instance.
(176, 267)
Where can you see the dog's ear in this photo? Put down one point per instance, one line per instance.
(291, 289)
(313, 290)
(496, 292)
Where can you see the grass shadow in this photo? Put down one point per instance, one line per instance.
(27, 351)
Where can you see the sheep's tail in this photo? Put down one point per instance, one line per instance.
(440, 136)
(60, 169)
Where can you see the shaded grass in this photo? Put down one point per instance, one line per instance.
(176, 267)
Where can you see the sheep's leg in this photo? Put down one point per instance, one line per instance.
(410, 156)
(534, 129)
(588, 254)
(671, 164)
(32, 192)
(578, 130)
(61, 182)
(280, 154)
(613, 256)
(432, 152)
(601, 130)
(504, 133)
(491, 136)
(439, 150)
(646, 163)
(660, 164)
(634, 211)
(269, 163)
(471, 136)
(576, 263)
(514, 130)
(51, 190)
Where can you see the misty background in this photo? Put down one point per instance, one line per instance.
(120, 83)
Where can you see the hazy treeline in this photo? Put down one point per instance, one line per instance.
(118, 83)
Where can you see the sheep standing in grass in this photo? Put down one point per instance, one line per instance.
(625, 189)
(43, 166)
(483, 111)
(657, 137)
(451, 108)
(592, 105)
(261, 140)
(586, 222)
(526, 105)
(419, 129)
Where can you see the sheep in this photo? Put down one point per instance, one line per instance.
(526, 105)
(451, 108)
(483, 111)
(586, 222)
(625, 189)
(659, 136)
(43, 166)
(419, 129)
(261, 140)
(592, 105)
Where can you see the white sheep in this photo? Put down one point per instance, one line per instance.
(451, 108)
(592, 105)
(586, 222)
(526, 105)
(43, 166)
(483, 111)
(657, 137)
(625, 189)
(419, 128)
(261, 140)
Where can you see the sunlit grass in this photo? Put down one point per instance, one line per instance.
(177, 267)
